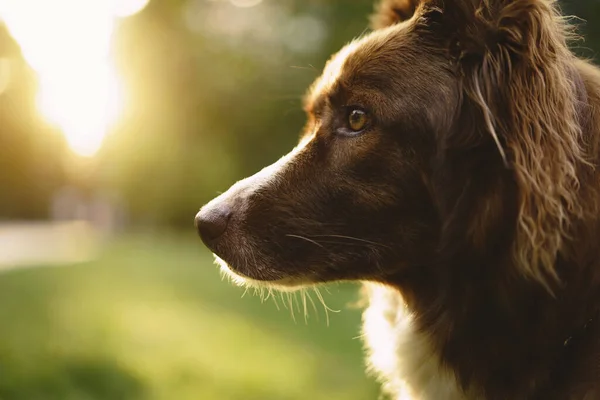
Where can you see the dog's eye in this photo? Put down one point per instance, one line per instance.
(357, 120)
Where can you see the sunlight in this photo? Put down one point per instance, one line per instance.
(126, 8)
(68, 44)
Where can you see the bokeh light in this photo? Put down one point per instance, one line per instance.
(68, 44)
(126, 8)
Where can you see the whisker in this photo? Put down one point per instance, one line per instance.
(297, 302)
(283, 300)
(246, 263)
(343, 243)
(313, 222)
(353, 238)
(320, 297)
(276, 304)
(307, 239)
(314, 306)
(291, 304)
(269, 294)
(309, 68)
(262, 295)
(327, 308)
(245, 291)
(367, 28)
(306, 68)
(303, 293)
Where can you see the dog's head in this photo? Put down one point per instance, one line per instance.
(450, 131)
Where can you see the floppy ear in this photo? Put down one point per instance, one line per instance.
(518, 78)
(390, 12)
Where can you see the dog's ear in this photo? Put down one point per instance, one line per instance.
(520, 87)
(481, 26)
(390, 12)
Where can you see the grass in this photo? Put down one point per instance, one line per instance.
(151, 319)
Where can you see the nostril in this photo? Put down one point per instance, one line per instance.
(212, 223)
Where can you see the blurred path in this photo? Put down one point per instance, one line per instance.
(35, 244)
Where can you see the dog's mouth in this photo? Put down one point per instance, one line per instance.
(251, 279)
(250, 261)
(254, 254)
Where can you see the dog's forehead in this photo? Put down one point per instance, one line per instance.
(333, 71)
(355, 57)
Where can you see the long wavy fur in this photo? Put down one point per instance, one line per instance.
(525, 87)
(517, 68)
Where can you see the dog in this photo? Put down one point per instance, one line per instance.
(449, 163)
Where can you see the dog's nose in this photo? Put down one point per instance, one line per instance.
(212, 222)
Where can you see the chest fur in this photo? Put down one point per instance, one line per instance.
(403, 357)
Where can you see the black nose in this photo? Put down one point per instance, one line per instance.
(212, 222)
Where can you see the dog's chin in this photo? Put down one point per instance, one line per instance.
(283, 285)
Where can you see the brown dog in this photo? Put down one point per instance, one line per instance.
(449, 163)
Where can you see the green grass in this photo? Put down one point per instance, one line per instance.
(152, 319)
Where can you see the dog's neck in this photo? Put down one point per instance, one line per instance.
(499, 334)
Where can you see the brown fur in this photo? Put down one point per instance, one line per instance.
(468, 203)
(391, 12)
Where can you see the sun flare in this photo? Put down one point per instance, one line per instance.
(68, 44)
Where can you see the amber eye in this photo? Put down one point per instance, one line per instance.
(357, 120)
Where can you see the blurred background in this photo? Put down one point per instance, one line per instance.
(118, 120)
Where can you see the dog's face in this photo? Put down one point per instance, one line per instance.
(429, 142)
(352, 200)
